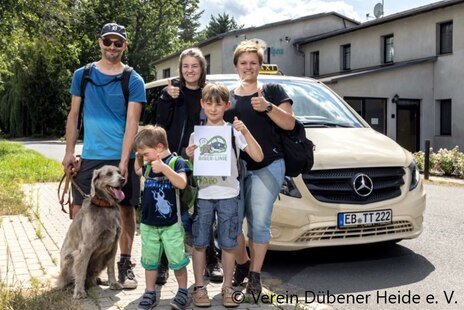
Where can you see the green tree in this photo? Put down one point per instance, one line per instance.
(39, 40)
(188, 28)
(42, 42)
(221, 24)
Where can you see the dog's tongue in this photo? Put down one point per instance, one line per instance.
(118, 193)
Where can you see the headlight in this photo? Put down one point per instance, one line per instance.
(289, 188)
(415, 176)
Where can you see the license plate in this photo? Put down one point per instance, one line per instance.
(350, 219)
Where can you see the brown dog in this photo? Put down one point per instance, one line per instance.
(92, 239)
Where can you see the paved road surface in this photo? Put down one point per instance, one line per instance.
(53, 149)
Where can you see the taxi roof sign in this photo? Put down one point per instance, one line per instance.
(269, 69)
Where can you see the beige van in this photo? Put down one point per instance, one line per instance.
(363, 187)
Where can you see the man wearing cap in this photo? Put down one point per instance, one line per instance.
(110, 127)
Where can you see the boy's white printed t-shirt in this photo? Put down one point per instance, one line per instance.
(216, 187)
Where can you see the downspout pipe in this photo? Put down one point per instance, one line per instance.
(298, 49)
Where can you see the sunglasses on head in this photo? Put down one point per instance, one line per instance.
(117, 43)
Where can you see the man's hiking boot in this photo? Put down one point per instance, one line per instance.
(254, 286)
(126, 276)
(241, 272)
(163, 271)
(214, 272)
(213, 268)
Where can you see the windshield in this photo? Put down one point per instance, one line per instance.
(313, 103)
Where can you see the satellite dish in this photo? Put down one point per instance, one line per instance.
(378, 10)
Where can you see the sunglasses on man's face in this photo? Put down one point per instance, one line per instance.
(117, 43)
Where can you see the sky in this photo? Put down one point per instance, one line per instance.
(260, 12)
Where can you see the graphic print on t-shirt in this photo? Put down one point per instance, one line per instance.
(163, 207)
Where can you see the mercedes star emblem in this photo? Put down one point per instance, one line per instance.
(362, 185)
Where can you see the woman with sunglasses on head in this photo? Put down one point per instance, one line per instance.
(109, 131)
(178, 111)
(251, 102)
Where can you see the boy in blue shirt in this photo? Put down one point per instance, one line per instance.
(218, 196)
(161, 227)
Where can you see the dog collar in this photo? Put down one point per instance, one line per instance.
(101, 202)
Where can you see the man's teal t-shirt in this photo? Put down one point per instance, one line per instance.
(105, 112)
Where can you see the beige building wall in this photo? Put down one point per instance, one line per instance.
(415, 37)
(172, 64)
(386, 84)
(278, 37)
(214, 50)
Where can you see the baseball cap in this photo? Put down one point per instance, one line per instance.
(113, 28)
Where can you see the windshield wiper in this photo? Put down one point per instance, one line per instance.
(328, 124)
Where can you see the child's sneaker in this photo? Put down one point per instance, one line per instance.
(180, 301)
(228, 297)
(149, 301)
(200, 297)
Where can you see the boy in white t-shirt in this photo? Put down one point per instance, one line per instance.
(218, 196)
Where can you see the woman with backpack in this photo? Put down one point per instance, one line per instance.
(263, 109)
(178, 111)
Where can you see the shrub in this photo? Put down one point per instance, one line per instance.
(444, 162)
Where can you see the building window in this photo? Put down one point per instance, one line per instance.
(315, 63)
(445, 38)
(208, 61)
(346, 57)
(445, 117)
(388, 49)
(166, 73)
(373, 110)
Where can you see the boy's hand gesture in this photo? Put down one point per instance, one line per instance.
(190, 150)
(173, 91)
(157, 165)
(240, 126)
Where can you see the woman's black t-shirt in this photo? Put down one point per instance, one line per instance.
(259, 124)
(192, 101)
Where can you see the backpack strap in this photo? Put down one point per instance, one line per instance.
(172, 165)
(85, 79)
(123, 78)
(234, 149)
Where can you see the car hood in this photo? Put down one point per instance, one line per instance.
(355, 147)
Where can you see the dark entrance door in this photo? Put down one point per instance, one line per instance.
(408, 124)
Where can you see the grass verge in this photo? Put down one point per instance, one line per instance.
(19, 165)
(37, 297)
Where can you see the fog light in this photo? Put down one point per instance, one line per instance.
(275, 232)
(289, 188)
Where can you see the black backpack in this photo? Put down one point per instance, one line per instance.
(124, 78)
(298, 151)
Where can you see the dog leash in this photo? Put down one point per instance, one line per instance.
(64, 196)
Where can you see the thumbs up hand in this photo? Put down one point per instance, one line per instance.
(240, 126)
(259, 103)
(173, 91)
(157, 165)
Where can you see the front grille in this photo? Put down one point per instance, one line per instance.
(336, 186)
(333, 232)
